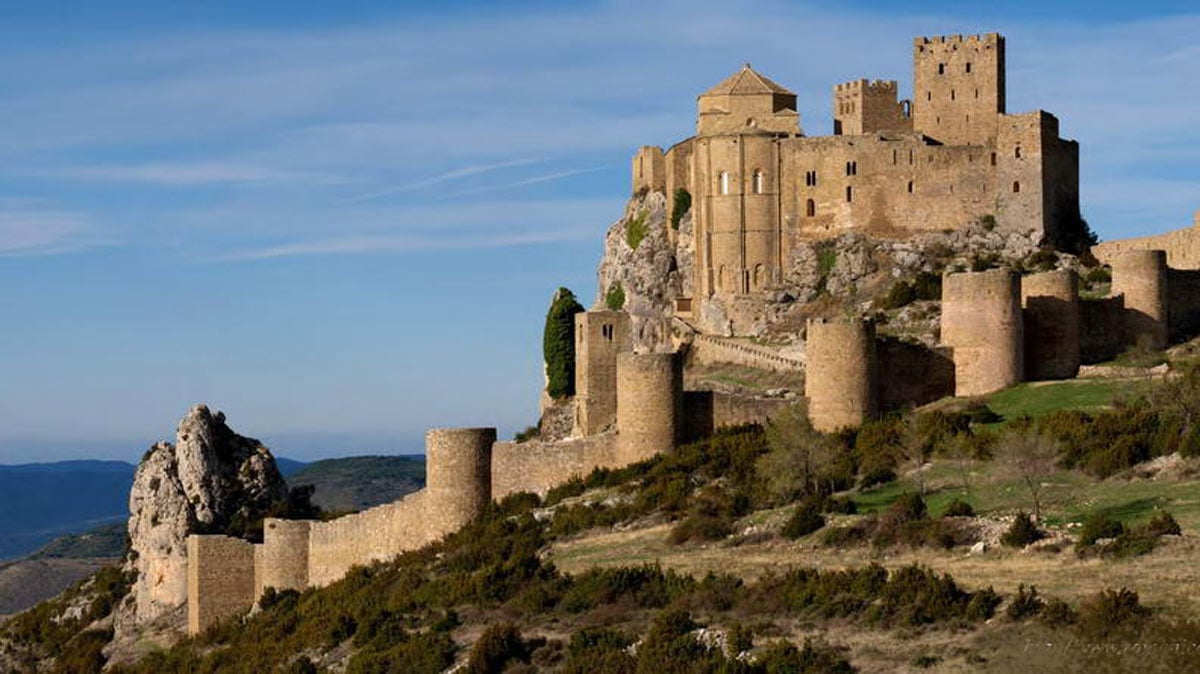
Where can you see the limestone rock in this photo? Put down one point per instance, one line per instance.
(210, 479)
(649, 272)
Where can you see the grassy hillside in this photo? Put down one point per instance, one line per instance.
(360, 482)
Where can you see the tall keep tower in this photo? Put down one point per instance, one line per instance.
(599, 337)
(958, 87)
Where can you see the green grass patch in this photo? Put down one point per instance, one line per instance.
(1037, 399)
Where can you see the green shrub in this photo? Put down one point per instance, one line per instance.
(683, 203)
(901, 294)
(701, 526)
(877, 477)
(530, 433)
(781, 657)
(1026, 604)
(1097, 526)
(1058, 613)
(984, 261)
(827, 257)
(636, 230)
(959, 508)
(909, 507)
(599, 649)
(988, 221)
(558, 344)
(804, 520)
(1098, 276)
(498, 646)
(1163, 524)
(1111, 614)
(1043, 259)
(614, 299)
(928, 286)
(1021, 532)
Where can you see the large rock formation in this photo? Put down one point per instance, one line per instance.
(211, 480)
(653, 266)
(642, 260)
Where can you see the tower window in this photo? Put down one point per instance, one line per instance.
(723, 180)
(810, 208)
(952, 95)
(910, 157)
(849, 194)
(1017, 152)
(895, 155)
(607, 331)
(968, 66)
(757, 180)
(910, 187)
(1016, 187)
(993, 159)
(929, 95)
(941, 68)
(851, 168)
(976, 93)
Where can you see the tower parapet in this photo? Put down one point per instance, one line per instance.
(840, 378)
(283, 557)
(649, 170)
(982, 322)
(1141, 276)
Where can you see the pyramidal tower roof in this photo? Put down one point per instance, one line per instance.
(746, 81)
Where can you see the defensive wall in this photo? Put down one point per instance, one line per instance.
(998, 329)
(712, 350)
(466, 468)
(1181, 245)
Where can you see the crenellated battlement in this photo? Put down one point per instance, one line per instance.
(981, 39)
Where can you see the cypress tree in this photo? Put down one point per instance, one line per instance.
(558, 344)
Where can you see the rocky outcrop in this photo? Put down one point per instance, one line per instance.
(641, 259)
(212, 480)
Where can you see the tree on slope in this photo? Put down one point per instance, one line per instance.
(558, 344)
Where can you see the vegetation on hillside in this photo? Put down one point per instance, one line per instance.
(558, 344)
(360, 482)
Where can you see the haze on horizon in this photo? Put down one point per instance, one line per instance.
(342, 225)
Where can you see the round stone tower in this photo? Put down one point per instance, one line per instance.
(458, 482)
(283, 564)
(1141, 276)
(649, 405)
(1051, 301)
(840, 374)
(982, 322)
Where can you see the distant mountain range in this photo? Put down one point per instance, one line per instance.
(39, 501)
(42, 501)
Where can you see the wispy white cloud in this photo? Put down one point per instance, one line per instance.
(536, 180)
(358, 245)
(27, 231)
(183, 174)
(455, 174)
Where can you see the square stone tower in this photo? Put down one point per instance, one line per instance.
(868, 106)
(958, 87)
(599, 337)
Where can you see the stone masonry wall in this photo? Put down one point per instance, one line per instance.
(220, 579)
(707, 411)
(710, 350)
(536, 466)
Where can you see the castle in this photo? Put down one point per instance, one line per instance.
(946, 158)
(892, 167)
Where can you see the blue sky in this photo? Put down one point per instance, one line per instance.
(341, 222)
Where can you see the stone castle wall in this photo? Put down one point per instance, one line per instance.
(911, 375)
(220, 579)
(759, 185)
(705, 412)
(1181, 245)
(649, 405)
(711, 350)
(536, 466)
(1052, 325)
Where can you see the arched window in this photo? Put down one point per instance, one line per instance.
(757, 182)
(810, 208)
(1017, 152)
(723, 181)
(1016, 187)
